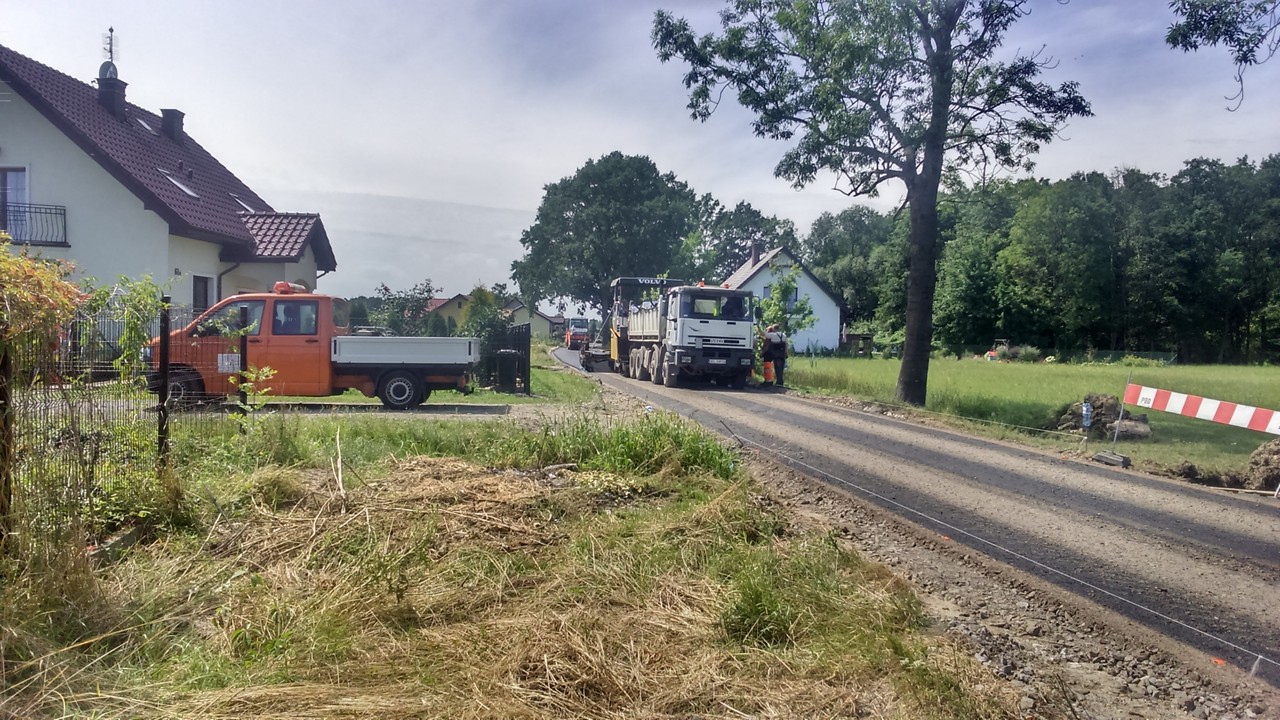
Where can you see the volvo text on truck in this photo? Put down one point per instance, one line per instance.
(304, 337)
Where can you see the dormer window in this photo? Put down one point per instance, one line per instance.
(243, 204)
(178, 183)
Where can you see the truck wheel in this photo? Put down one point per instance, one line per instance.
(185, 388)
(400, 390)
(738, 381)
(642, 369)
(656, 374)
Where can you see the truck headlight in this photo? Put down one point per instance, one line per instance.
(685, 359)
(744, 361)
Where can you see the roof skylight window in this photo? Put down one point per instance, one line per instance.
(144, 124)
(243, 204)
(180, 185)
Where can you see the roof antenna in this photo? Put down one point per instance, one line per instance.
(109, 49)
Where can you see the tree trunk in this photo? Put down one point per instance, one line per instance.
(922, 199)
(922, 276)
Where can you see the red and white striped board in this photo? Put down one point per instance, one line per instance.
(1219, 411)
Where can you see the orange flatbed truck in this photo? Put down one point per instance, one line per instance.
(304, 337)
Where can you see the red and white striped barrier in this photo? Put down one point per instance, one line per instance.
(1225, 413)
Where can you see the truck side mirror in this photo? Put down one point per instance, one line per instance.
(759, 313)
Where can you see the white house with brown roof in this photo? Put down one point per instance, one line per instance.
(757, 274)
(541, 325)
(117, 190)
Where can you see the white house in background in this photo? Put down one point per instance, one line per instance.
(541, 325)
(120, 191)
(757, 275)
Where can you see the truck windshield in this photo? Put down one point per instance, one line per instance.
(721, 307)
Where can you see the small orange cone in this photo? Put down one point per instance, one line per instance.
(768, 371)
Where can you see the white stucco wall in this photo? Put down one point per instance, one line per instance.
(109, 232)
(256, 277)
(825, 332)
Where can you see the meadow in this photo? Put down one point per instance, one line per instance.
(1021, 400)
(475, 570)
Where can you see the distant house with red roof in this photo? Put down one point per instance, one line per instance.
(452, 310)
(88, 177)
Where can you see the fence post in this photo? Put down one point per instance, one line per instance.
(526, 353)
(244, 363)
(162, 393)
(7, 419)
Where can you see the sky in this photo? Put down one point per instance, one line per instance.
(424, 132)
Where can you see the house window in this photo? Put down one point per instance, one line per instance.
(791, 301)
(13, 202)
(178, 183)
(200, 286)
(243, 204)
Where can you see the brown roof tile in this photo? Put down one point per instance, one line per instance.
(284, 236)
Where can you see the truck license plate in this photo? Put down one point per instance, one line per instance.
(717, 361)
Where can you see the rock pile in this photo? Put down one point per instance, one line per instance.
(1106, 413)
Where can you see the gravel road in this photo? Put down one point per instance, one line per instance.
(1100, 592)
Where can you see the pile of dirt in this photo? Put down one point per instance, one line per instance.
(1263, 472)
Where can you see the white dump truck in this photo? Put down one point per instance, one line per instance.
(668, 332)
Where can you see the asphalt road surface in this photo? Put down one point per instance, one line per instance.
(1197, 565)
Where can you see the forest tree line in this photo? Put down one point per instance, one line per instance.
(1132, 261)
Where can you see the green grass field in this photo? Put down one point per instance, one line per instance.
(1026, 395)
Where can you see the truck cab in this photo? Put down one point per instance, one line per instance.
(577, 333)
(289, 330)
(304, 338)
(667, 331)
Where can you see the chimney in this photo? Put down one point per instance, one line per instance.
(755, 254)
(171, 124)
(111, 89)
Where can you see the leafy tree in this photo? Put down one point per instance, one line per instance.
(359, 311)
(483, 317)
(838, 250)
(406, 312)
(877, 91)
(782, 305)
(732, 233)
(437, 325)
(1147, 277)
(615, 216)
(35, 295)
(1250, 30)
(1056, 283)
(966, 311)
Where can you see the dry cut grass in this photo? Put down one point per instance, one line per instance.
(450, 590)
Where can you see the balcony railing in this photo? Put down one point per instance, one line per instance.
(34, 224)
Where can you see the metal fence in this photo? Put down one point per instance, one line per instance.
(92, 417)
(80, 431)
(505, 360)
